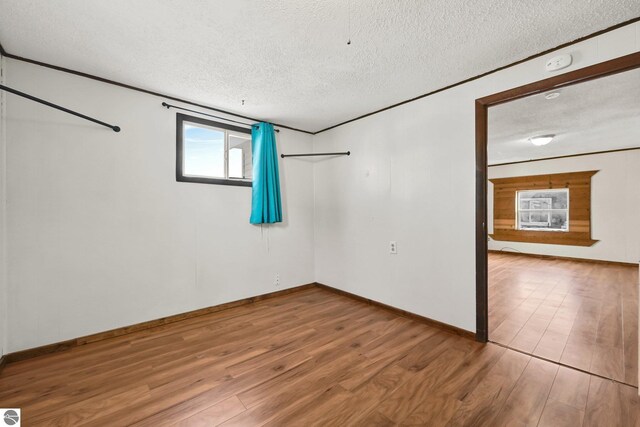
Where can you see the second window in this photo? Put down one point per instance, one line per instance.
(543, 210)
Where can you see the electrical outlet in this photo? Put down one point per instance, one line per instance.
(276, 282)
(393, 247)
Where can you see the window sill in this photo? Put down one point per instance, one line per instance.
(196, 180)
(568, 238)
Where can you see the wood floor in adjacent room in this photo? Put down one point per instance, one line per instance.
(581, 314)
(308, 358)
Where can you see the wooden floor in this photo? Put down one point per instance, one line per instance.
(581, 314)
(305, 359)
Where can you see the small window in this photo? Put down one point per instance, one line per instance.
(543, 210)
(212, 153)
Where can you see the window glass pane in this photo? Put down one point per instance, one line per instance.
(559, 220)
(540, 204)
(203, 151)
(540, 217)
(544, 199)
(561, 199)
(240, 166)
(534, 219)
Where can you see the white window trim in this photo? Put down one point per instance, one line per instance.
(548, 211)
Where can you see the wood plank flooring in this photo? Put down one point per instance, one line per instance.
(310, 358)
(582, 314)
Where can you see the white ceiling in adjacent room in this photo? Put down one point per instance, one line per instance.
(289, 60)
(598, 115)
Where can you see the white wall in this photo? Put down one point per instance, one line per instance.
(411, 178)
(615, 203)
(3, 265)
(100, 234)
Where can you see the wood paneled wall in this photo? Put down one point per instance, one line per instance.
(504, 208)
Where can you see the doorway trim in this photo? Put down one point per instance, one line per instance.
(614, 66)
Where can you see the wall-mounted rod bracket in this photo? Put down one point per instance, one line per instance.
(343, 153)
(58, 107)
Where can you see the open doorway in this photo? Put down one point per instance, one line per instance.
(556, 240)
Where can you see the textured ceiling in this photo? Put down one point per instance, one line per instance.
(289, 59)
(597, 115)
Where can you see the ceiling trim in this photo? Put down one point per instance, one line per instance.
(597, 33)
(6, 54)
(592, 153)
(139, 89)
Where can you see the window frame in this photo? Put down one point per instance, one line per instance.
(549, 211)
(181, 177)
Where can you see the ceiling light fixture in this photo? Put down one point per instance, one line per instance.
(541, 140)
(552, 95)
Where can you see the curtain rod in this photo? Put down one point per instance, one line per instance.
(58, 107)
(344, 153)
(167, 106)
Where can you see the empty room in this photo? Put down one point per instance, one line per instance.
(319, 213)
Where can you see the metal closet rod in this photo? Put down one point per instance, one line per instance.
(342, 153)
(167, 106)
(58, 107)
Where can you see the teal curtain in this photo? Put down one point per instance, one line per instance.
(266, 207)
